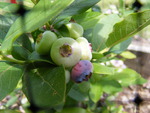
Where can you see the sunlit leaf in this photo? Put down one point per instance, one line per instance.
(44, 10)
(130, 25)
(102, 30)
(128, 77)
(101, 69)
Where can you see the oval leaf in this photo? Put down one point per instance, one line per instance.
(101, 69)
(130, 25)
(128, 77)
(46, 87)
(102, 30)
(44, 10)
(77, 7)
(95, 92)
(9, 78)
(110, 86)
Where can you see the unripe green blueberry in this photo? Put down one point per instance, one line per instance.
(85, 48)
(66, 52)
(67, 75)
(75, 30)
(44, 42)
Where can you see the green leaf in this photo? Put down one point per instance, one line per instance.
(19, 53)
(121, 46)
(5, 23)
(130, 25)
(96, 55)
(6, 18)
(128, 55)
(34, 57)
(77, 7)
(88, 19)
(88, 34)
(44, 10)
(84, 86)
(25, 42)
(95, 92)
(96, 8)
(102, 30)
(105, 111)
(127, 77)
(3, 4)
(22, 48)
(9, 111)
(69, 102)
(101, 69)
(10, 8)
(9, 78)
(45, 87)
(74, 110)
(79, 92)
(104, 84)
(110, 86)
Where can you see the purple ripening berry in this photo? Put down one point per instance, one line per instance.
(82, 71)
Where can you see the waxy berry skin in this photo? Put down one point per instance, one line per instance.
(82, 71)
(65, 51)
(44, 42)
(85, 48)
(75, 30)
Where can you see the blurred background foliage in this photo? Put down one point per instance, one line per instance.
(16, 100)
(114, 6)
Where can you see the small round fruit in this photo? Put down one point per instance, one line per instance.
(67, 75)
(82, 71)
(85, 48)
(66, 51)
(75, 30)
(44, 42)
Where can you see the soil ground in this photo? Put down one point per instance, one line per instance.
(136, 99)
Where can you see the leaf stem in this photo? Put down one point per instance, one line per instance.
(5, 57)
(34, 1)
(122, 7)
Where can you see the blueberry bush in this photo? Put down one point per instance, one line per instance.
(61, 53)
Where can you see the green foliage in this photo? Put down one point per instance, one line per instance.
(102, 30)
(110, 86)
(130, 25)
(96, 91)
(79, 92)
(74, 110)
(101, 69)
(77, 7)
(9, 111)
(10, 75)
(97, 55)
(5, 23)
(35, 57)
(88, 19)
(42, 87)
(128, 55)
(128, 77)
(22, 48)
(119, 48)
(43, 81)
(46, 13)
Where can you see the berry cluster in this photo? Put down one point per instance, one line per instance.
(72, 52)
